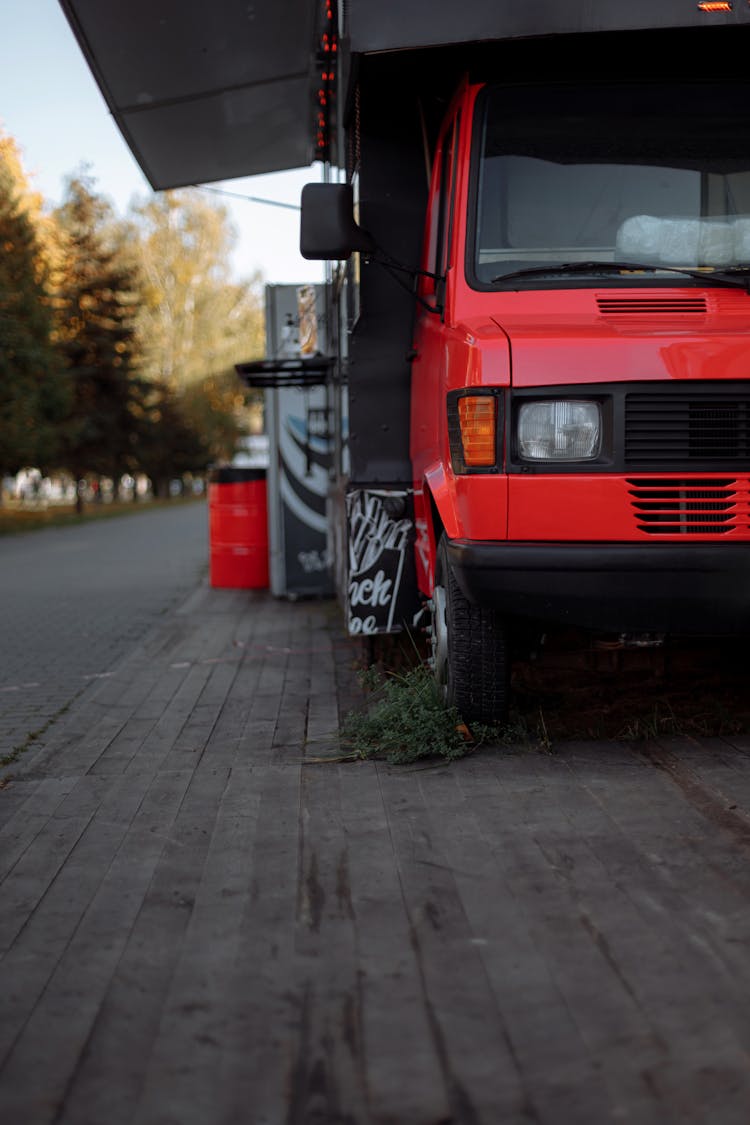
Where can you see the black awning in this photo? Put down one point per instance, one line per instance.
(204, 92)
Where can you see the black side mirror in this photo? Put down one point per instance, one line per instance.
(328, 231)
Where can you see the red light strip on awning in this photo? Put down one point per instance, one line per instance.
(715, 5)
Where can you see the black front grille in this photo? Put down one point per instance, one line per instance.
(689, 426)
(660, 426)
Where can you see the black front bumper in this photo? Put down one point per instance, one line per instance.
(698, 589)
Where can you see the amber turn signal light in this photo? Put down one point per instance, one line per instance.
(477, 416)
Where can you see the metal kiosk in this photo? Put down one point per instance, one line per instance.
(293, 376)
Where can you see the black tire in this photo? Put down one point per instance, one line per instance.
(469, 650)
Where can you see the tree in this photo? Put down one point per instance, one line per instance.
(168, 445)
(32, 394)
(218, 408)
(95, 308)
(195, 321)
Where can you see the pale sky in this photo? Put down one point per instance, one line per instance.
(51, 105)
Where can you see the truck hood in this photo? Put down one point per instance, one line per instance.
(589, 337)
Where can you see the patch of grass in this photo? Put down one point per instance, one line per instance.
(658, 722)
(14, 520)
(573, 691)
(405, 720)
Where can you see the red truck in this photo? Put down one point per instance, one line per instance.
(539, 216)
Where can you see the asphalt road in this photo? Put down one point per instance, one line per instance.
(74, 600)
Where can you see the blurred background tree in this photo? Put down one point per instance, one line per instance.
(96, 303)
(169, 445)
(119, 337)
(194, 321)
(33, 396)
(218, 407)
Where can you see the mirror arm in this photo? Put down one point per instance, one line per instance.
(394, 268)
(387, 260)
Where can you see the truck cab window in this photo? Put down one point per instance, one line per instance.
(651, 174)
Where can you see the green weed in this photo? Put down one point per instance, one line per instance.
(405, 720)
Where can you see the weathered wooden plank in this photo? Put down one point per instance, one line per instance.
(153, 752)
(121, 1004)
(264, 1009)
(77, 741)
(670, 978)
(171, 695)
(712, 764)
(61, 972)
(403, 1070)
(195, 732)
(176, 1071)
(691, 974)
(38, 800)
(328, 1080)
(35, 873)
(459, 1002)
(541, 1032)
(562, 968)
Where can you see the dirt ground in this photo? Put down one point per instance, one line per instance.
(577, 686)
(581, 687)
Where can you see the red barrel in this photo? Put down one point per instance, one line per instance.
(238, 528)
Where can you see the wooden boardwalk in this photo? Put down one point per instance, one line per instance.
(199, 928)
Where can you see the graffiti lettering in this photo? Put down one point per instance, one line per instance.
(372, 531)
(313, 562)
(378, 543)
(362, 626)
(375, 591)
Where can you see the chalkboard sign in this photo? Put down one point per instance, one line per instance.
(381, 585)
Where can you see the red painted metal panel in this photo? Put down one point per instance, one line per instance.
(611, 508)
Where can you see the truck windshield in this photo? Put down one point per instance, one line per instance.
(654, 173)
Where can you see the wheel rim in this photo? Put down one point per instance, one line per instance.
(439, 639)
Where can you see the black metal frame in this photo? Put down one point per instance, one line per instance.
(312, 371)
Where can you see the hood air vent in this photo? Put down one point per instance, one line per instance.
(640, 307)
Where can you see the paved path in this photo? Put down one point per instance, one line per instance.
(199, 926)
(73, 600)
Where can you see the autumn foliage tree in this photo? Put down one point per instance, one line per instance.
(195, 321)
(95, 309)
(119, 338)
(32, 393)
(169, 445)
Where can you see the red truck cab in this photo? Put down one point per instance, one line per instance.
(545, 419)
(580, 400)
(579, 354)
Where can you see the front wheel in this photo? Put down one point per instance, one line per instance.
(469, 649)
